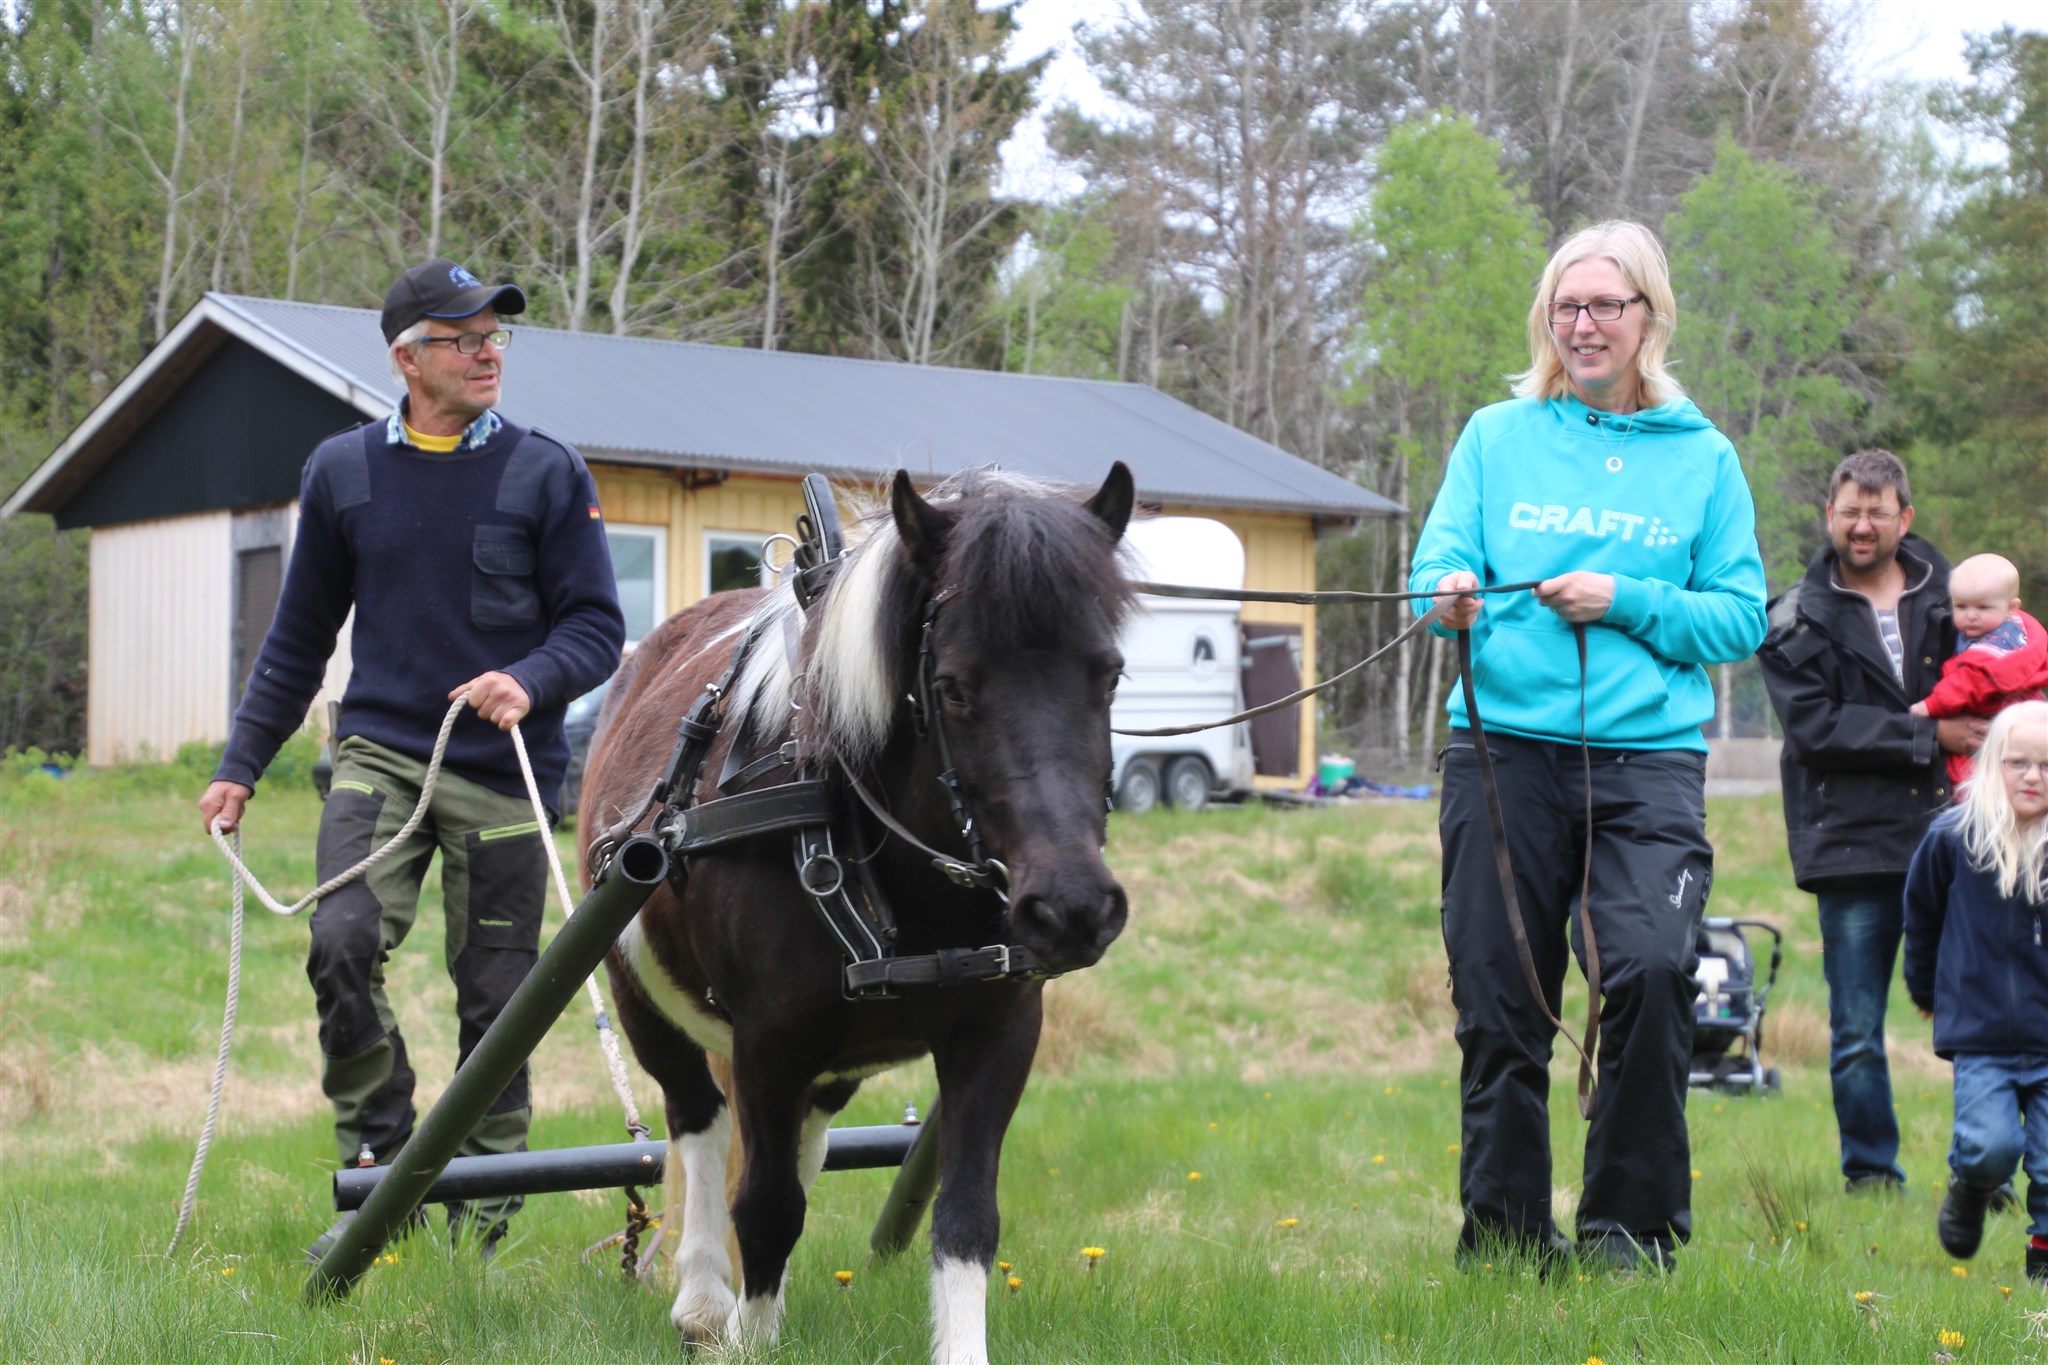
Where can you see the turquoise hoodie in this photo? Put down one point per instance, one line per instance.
(1535, 489)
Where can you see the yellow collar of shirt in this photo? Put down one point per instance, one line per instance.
(433, 445)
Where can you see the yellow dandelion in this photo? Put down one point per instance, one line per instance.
(1442, 1083)
(1379, 1158)
(1388, 1336)
(1214, 1126)
(1354, 1203)
(227, 1270)
(2006, 1290)
(1697, 1173)
(1800, 1226)
(1585, 1279)
(1090, 1255)
(1595, 1360)
(1288, 1223)
(386, 1360)
(1451, 1147)
(1961, 1272)
(1003, 1266)
(1194, 1175)
(1386, 1090)
(1864, 1296)
(1014, 1284)
(1269, 1094)
(845, 1277)
(1955, 1341)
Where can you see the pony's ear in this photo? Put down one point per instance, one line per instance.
(924, 528)
(1113, 501)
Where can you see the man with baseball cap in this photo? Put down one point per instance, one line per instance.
(472, 554)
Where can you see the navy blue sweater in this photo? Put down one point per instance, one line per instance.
(1973, 957)
(456, 565)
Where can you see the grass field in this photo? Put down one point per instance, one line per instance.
(1251, 1104)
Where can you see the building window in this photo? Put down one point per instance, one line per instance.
(732, 559)
(639, 562)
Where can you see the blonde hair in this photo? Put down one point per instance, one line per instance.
(1986, 573)
(1993, 837)
(1635, 253)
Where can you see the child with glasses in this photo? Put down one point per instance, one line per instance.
(2001, 655)
(1976, 964)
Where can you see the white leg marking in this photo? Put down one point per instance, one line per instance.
(959, 1313)
(704, 1297)
(757, 1320)
(810, 1147)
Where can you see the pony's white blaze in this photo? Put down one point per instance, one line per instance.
(959, 1313)
(704, 1298)
(706, 1029)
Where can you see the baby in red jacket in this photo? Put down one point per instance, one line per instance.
(2003, 657)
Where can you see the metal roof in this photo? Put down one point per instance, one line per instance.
(672, 404)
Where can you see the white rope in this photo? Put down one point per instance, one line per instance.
(607, 1040)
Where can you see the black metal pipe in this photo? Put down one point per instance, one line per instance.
(639, 866)
(607, 1167)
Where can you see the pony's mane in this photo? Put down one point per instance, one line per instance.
(1026, 561)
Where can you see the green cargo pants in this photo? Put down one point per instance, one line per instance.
(494, 877)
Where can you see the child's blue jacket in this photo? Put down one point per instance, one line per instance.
(1657, 499)
(1973, 957)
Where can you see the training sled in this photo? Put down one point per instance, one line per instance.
(426, 1169)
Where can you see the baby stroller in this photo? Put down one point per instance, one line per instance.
(1728, 1014)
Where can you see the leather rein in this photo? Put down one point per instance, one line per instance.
(1489, 784)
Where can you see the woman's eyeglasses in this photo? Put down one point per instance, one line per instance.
(2020, 767)
(1563, 314)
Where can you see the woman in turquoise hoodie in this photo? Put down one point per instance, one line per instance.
(1601, 480)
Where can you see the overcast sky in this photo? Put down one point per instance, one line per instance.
(1909, 39)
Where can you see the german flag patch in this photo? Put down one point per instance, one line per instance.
(594, 513)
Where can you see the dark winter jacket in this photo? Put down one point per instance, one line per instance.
(1973, 957)
(1863, 776)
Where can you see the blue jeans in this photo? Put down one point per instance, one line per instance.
(1860, 923)
(2002, 1115)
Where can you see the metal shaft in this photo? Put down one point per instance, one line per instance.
(607, 1167)
(640, 866)
(903, 1209)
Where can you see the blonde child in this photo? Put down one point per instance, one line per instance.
(1975, 959)
(2002, 656)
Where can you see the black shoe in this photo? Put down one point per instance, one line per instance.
(1960, 1223)
(1618, 1253)
(324, 1243)
(1551, 1251)
(2004, 1199)
(1877, 1182)
(2037, 1265)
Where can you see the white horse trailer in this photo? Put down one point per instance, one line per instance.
(1183, 665)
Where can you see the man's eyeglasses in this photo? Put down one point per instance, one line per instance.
(2020, 767)
(1849, 516)
(469, 343)
(1563, 314)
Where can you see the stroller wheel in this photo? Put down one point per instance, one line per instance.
(1773, 1084)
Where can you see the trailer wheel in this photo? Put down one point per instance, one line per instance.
(1138, 792)
(1187, 783)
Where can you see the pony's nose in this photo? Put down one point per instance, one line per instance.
(1071, 932)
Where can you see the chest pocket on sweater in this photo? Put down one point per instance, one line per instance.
(503, 593)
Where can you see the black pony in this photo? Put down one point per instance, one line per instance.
(1021, 586)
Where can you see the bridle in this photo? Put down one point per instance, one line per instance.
(927, 716)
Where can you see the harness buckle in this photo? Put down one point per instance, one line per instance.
(1002, 952)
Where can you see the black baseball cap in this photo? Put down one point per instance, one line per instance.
(442, 289)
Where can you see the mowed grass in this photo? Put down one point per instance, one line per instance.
(1251, 1105)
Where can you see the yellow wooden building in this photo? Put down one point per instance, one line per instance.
(187, 475)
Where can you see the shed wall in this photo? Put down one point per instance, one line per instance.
(159, 636)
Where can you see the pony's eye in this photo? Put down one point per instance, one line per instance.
(950, 693)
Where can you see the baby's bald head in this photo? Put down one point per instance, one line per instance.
(1984, 590)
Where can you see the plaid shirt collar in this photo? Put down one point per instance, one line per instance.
(473, 435)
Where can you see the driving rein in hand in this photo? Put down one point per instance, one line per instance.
(1589, 1049)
